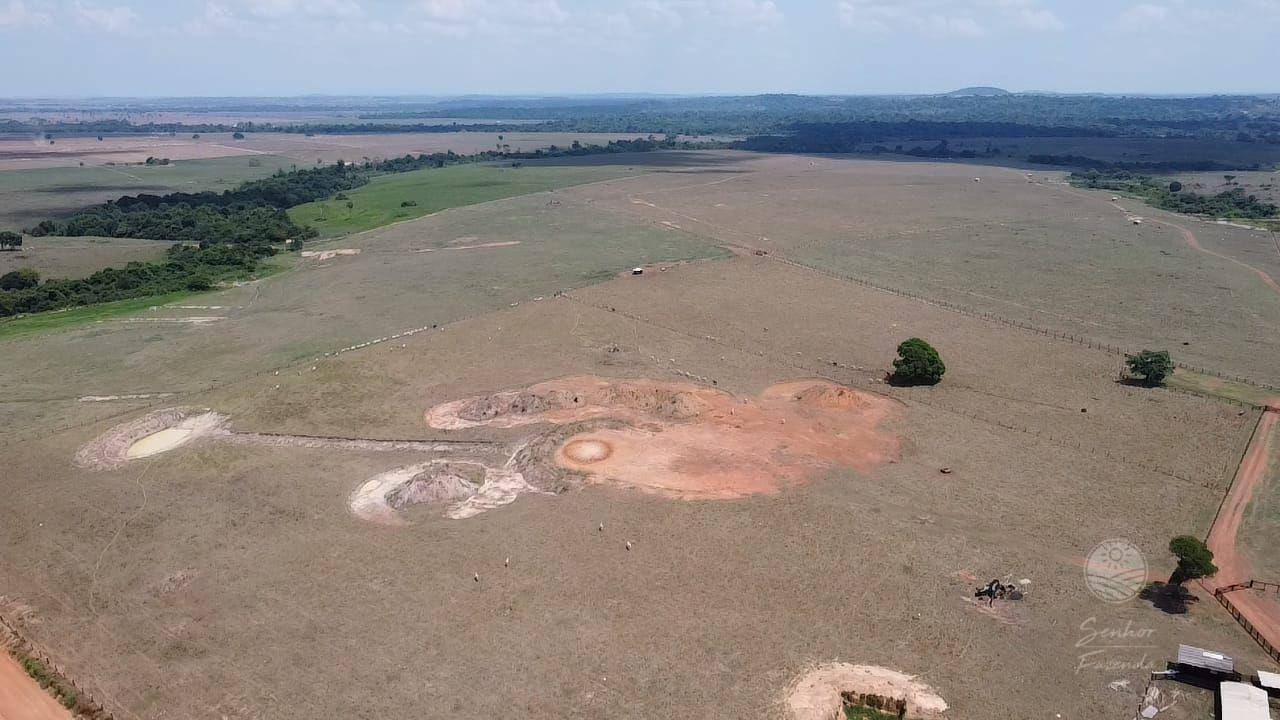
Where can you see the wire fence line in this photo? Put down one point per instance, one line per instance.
(822, 370)
(1010, 322)
(83, 704)
(1223, 596)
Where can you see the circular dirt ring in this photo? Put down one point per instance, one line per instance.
(587, 451)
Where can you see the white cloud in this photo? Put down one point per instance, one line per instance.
(649, 17)
(1039, 19)
(280, 9)
(262, 19)
(462, 18)
(218, 19)
(946, 18)
(1182, 17)
(934, 18)
(17, 14)
(111, 19)
(1144, 14)
(747, 13)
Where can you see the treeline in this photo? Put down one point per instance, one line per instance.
(1163, 166)
(229, 232)
(252, 212)
(1236, 118)
(185, 267)
(853, 136)
(1233, 203)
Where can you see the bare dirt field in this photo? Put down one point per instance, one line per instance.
(28, 153)
(235, 576)
(74, 257)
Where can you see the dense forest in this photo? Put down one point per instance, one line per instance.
(1162, 166)
(185, 267)
(253, 212)
(1233, 203)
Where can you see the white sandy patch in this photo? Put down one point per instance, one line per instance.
(501, 487)
(191, 320)
(329, 254)
(171, 437)
(503, 243)
(136, 396)
(115, 447)
(816, 695)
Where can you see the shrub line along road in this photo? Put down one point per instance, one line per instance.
(22, 698)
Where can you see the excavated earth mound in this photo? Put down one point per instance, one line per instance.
(691, 442)
(820, 694)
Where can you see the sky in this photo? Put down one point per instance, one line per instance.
(145, 48)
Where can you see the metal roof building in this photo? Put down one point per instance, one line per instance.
(1202, 659)
(1243, 702)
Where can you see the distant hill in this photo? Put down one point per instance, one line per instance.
(978, 92)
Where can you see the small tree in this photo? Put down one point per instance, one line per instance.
(1150, 366)
(1175, 187)
(237, 136)
(917, 364)
(10, 240)
(1195, 559)
(20, 279)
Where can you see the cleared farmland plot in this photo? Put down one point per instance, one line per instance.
(29, 196)
(383, 200)
(29, 153)
(73, 257)
(228, 577)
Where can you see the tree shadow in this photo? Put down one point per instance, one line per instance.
(1168, 597)
(1136, 382)
(898, 381)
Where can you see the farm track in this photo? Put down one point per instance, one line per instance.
(1187, 235)
(1233, 567)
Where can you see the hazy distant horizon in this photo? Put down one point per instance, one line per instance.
(74, 49)
(614, 95)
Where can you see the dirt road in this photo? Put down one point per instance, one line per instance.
(21, 698)
(1233, 567)
(1187, 235)
(1194, 243)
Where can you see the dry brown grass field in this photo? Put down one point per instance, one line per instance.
(29, 153)
(74, 257)
(229, 579)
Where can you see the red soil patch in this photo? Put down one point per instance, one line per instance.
(1233, 567)
(691, 442)
(22, 698)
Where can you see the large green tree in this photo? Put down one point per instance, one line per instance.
(20, 279)
(1150, 367)
(1195, 559)
(918, 363)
